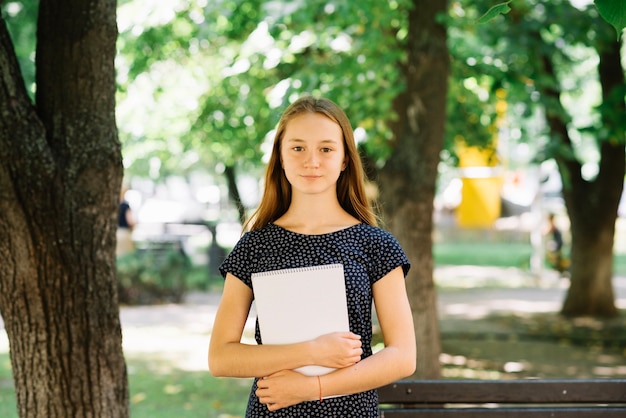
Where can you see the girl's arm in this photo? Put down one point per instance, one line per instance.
(229, 357)
(395, 361)
(398, 358)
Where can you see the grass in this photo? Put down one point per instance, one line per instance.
(497, 254)
(8, 408)
(517, 358)
(537, 345)
(482, 254)
(543, 345)
(158, 390)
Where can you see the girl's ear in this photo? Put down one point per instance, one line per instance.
(345, 163)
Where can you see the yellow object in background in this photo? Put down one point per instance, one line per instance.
(480, 203)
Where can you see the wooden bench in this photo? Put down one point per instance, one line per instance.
(525, 398)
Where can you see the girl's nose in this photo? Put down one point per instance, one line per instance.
(311, 160)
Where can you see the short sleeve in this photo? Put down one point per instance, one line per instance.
(387, 254)
(238, 262)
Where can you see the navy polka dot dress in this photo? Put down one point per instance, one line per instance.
(367, 253)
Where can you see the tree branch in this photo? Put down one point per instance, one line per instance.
(21, 131)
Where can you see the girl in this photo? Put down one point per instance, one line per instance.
(314, 211)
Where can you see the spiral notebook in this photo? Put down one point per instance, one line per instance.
(300, 304)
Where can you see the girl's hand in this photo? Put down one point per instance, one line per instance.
(337, 350)
(286, 388)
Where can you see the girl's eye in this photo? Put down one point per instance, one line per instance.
(326, 150)
(298, 148)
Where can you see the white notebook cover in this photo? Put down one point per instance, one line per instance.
(300, 304)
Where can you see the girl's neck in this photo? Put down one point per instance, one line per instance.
(315, 216)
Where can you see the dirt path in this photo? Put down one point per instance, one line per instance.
(180, 333)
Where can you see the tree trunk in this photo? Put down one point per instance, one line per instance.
(60, 176)
(593, 206)
(233, 192)
(591, 290)
(408, 180)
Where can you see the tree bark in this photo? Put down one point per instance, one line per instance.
(60, 176)
(408, 180)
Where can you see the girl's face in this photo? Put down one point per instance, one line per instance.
(312, 154)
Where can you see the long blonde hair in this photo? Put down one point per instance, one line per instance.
(350, 185)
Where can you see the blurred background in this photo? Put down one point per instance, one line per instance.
(201, 86)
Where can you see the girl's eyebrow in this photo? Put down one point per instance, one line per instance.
(324, 141)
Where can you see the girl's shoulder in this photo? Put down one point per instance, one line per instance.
(376, 232)
(255, 235)
(373, 238)
(268, 233)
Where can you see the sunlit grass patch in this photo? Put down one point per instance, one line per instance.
(159, 390)
(8, 408)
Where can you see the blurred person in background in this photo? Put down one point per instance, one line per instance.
(125, 224)
(555, 247)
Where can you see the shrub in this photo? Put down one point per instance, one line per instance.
(152, 275)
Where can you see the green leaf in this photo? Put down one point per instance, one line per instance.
(495, 11)
(614, 12)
